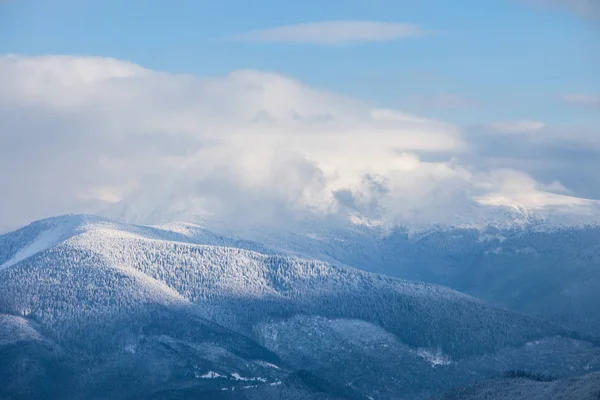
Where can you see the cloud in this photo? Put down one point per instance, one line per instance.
(87, 134)
(335, 33)
(569, 154)
(87, 130)
(581, 99)
(509, 186)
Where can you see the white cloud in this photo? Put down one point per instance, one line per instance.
(77, 134)
(583, 99)
(335, 32)
(88, 130)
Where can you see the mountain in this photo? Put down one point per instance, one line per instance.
(536, 268)
(539, 256)
(586, 387)
(182, 312)
(76, 327)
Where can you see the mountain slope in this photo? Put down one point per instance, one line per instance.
(586, 387)
(75, 327)
(535, 268)
(271, 286)
(118, 298)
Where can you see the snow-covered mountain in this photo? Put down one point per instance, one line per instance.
(531, 265)
(537, 253)
(185, 312)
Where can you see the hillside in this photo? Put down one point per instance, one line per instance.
(586, 387)
(111, 298)
(536, 268)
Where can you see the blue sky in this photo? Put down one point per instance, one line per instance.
(388, 107)
(506, 59)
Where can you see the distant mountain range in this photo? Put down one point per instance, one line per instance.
(93, 308)
(525, 260)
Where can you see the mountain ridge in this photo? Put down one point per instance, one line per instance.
(112, 291)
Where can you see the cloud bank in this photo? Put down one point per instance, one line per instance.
(335, 33)
(86, 134)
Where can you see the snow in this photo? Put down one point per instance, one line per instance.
(113, 268)
(266, 364)
(436, 358)
(130, 348)
(14, 329)
(238, 377)
(43, 241)
(371, 223)
(157, 291)
(183, 228)
(210, 375)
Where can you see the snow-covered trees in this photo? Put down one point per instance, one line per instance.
(108, 291)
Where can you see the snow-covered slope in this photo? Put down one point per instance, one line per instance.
(87, 327)
(126, 294)
(554, 273)
(537, 268)
(145, 265)
(38, 237)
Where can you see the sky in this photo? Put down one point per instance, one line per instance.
(385, 107)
